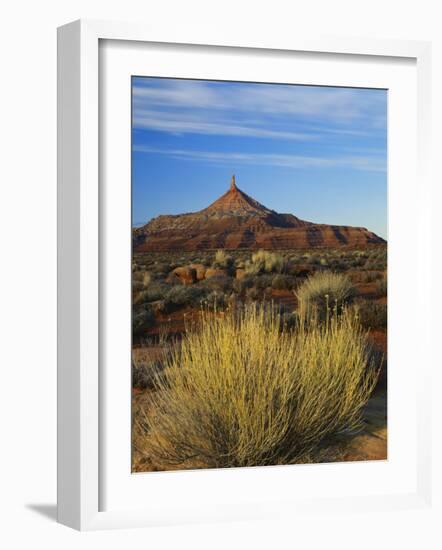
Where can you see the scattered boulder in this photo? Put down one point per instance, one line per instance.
(200, 271)
(187, 275)
(213, 272)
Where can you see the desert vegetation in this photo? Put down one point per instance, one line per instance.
(245, 358)
(324, 293)
(243, 390)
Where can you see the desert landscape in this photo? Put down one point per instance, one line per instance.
(259, 339)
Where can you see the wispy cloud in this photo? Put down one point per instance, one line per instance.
(334, 103)
(279, 111)
(358, 162)
(180, 123)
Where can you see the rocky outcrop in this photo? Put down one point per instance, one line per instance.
(236, 221)
(186, 275)
(200, 270)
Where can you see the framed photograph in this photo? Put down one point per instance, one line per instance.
(237, 334)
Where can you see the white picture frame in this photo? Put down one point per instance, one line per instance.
(80, 394)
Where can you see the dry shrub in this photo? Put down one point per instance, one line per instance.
(148, 366)
(143, 277)
(222, 283)
(284, 282)
(143, 318)
(179, 296)
(157, 290)
(323, 292)
(246, 391)
(371, 314)
(266, 262)
(377, 259)
(144, 373)
(223, 260)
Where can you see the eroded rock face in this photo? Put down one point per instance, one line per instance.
(236, 221)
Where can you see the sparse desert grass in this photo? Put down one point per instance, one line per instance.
(339, 259)
(255, 286)
(382, 284)
(377, 259)
(269, 275)
(246, 391)
(266, 262)
(223, 261)
(323, 292)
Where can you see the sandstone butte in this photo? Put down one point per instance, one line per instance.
(236, 220)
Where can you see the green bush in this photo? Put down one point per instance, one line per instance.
(284, 282)
(222, 283)
(180, 295)
(161, 267)
(313, 260)
(155, 291)
(263, 281)
(241, 285)
(143, 318)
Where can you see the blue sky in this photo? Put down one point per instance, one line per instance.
(317, 152)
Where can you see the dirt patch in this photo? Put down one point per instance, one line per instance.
(371, 443)
(368, 444)
(366, 290)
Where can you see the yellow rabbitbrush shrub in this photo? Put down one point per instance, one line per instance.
(244, 391)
